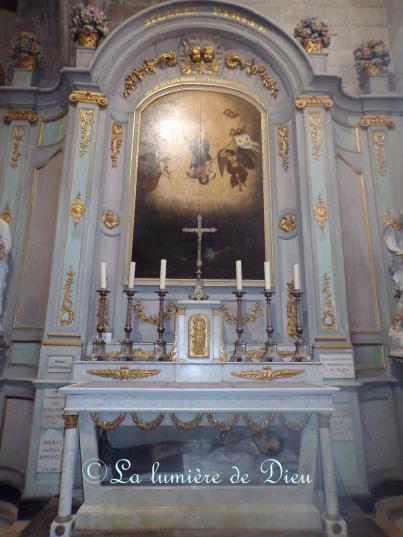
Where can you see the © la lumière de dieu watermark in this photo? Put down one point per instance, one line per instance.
(96, 471)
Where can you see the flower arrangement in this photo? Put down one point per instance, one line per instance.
(372, 57)
(26, 50)
(313, 34)
(87, 25)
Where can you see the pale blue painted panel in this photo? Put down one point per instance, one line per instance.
(345, 137)
(53, 131)
(369, 356)
(25, 354)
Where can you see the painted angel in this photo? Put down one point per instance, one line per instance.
(200, 165)
(238, 160)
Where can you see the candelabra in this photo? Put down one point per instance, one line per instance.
(126, 345)
(98, 347)
(240, 354)
(301, 349)
(160, 346)
(270, 352)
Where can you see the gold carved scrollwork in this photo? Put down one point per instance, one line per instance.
(124, 373)
(70, 420)
(110, 219)
(313, 100)
(86, 120)
(66, 315)
(288, 223)
(371, 121)
(167, 59)
(107, 425)
(328, 316)
(199, 336)
(186, 425)
(283, 145)
(6, 215)
(291, 310)
(252, 316)
(116, 142)
(379, 145)
(233, 61)
(88, 97)
(77, 209)
(21, 115)
(267, 373)
(18, 133)
(321, 213)
(138, 309)
(147, 425)
(315, 127)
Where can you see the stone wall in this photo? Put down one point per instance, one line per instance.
(351, 20)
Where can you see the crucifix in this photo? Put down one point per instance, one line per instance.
(198, 293)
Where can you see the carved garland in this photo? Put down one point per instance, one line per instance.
(138, 309)
(147, 425)
(167, 59)
(328, 316)
(87, 120)
(107, 425)
(379, 145)
(321, 213)
(315, 127)
(233, 61)
(252, 316)
(116, 142)
(66, 315)
(291, 310)
(18, 133)
(283, 145)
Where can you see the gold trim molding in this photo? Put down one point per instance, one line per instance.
(233, 61)
(167, 59)
(315, 127)
(267, 373)
(86, 122)
(66, 315)
(107, 425)
(321, 213)
(116, 143)
(283, 145)
(18, 133)
(376, 121)
(20, 115)
(378, 139)
(291, 310)
(313, 100)
(80, 96)
(328, 316)
(124, 373)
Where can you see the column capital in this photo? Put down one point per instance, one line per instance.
(88, 97)
(70, 420)
(376, 121)
(20, 115)
(313, 100)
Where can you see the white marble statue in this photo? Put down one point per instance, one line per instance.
(5, 248)
(393, 235)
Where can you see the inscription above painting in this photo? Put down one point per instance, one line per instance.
(200, 152)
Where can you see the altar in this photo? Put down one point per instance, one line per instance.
(264, 398)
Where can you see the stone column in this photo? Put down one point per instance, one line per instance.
(63, 523)
(334, 524)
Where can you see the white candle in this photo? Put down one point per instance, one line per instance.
(163, 272)
(132, 270)
(238, 266)
(103, 275)
(267, 275)
(297, 277)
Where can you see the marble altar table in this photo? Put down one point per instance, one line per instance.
(110, 389)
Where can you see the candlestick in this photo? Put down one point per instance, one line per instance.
(238, 267)
(267, 275)
(98, 346)
(270, 353)
(160, 346)
(132, 271)
(240, 354)
(163, 272)
(103, 275)
(297, 277)
(126, 345)
(301, 348)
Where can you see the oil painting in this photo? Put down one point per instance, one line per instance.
(199, 152)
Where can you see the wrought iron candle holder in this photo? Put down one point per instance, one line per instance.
(98, 347)
(126, 345)
(160, 346)
(270, 352)
(301, 348)
(240, 353)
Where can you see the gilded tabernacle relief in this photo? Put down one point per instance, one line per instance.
(200, 152)
(199, 338)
